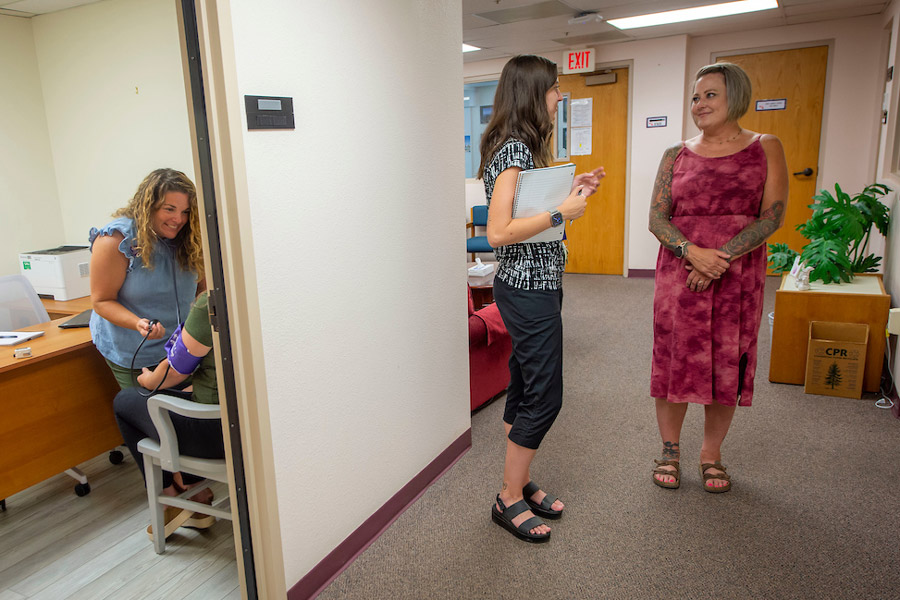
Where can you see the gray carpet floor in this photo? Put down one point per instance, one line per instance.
(814, 511)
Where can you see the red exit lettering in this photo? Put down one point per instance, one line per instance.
(578, 60)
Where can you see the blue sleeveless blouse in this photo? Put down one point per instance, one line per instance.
(148, 294)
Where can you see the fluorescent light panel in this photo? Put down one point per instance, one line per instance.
(694, 14)
(468, 48)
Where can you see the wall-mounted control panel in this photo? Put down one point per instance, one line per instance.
(269, 112)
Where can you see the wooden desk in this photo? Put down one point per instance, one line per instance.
(56, 406)
(861, 301)
(61, 308)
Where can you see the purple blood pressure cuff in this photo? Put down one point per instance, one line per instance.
(179, 358)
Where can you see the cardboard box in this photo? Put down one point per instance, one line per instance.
(835, 361)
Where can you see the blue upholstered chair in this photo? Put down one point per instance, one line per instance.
(478, 243)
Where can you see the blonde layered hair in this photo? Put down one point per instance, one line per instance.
(738, 89)
(149, 198)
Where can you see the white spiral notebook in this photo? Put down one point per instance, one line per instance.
(541, 190)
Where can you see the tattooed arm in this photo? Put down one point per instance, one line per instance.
(661, 204)
(774, 202)
(708, 262)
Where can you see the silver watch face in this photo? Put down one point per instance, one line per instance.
(556, 218)
(679, 251)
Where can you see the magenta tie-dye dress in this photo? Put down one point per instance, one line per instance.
(704, 343)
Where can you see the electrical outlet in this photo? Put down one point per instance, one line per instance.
(893, 324)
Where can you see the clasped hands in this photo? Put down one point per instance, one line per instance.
(704, 265)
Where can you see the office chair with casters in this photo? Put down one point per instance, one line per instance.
(164, 455)
(478, 243)
(20, 306)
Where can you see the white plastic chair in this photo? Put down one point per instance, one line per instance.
(20, 306)
(164, 455)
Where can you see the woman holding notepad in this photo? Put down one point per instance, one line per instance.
(528, 283)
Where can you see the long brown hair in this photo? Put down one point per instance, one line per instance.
(147, 200)
(520, 109)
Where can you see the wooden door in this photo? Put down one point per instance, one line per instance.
(798, 78)
(596, 241)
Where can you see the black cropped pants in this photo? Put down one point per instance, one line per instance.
(534, 395)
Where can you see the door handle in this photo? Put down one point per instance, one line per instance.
(806, 172)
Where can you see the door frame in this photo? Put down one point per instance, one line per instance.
(214, 113)
(629, 131)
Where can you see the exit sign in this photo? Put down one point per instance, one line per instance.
(578, 61)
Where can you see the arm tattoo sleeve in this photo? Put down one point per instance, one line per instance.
(661, 204)
(756, 233)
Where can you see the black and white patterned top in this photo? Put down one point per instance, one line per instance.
(535, 266)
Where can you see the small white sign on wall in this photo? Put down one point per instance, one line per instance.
(578, 61)
(779, 104)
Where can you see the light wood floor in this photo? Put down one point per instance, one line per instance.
(57, 546)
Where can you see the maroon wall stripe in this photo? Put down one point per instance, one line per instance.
(641, 272)
(341, 557)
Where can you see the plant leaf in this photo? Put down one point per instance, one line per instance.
(870, 207)
(781, 257)
(828, 259)
(868, 264)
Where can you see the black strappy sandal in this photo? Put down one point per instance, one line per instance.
(544, 508)
(505, 514)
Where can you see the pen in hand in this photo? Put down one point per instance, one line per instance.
(572, 221)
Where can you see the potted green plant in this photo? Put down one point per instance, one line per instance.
(838, 232)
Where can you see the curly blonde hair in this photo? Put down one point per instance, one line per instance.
(147, 200)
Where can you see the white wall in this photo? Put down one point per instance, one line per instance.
(28, 200)
(360, 284)
(657, 90)
(115, 104)
(99, 103)
(889, 138)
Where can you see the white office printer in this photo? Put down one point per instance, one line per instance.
(62, 272)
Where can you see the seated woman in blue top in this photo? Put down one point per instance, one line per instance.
(147, 265)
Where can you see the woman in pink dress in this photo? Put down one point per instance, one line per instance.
(717, 199)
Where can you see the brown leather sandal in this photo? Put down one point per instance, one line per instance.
(704, 467)
(173, 518)
(197, 520)
(660, 471)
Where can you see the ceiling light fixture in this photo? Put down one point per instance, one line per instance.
(694, 14)
(585, 18)
(468, 48)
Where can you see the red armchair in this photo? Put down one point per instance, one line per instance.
(489, 349)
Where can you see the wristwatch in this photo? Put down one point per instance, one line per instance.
(680, 249)
(556, 218)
